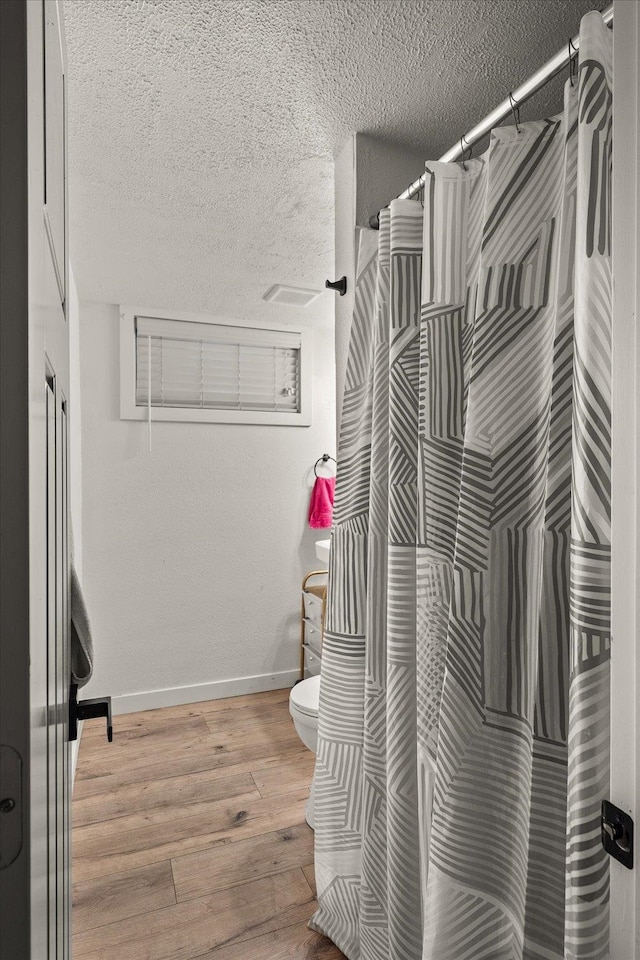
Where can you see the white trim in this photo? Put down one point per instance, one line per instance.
(75, 749)
(52, 250)
(224, 331)
(197, 692)
(625, 653)
(130, 411)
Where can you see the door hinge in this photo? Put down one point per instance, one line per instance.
(617, 833)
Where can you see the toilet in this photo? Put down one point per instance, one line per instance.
(303, 707)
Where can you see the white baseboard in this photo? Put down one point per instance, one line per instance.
(197, 692)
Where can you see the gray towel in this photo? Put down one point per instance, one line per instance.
(81, 642)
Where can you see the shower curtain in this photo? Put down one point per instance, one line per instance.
(463, 725)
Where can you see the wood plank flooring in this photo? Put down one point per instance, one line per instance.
(189, 838)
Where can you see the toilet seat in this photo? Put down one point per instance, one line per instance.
(305, 696)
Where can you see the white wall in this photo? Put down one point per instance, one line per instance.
(369, 173)
(345, 257)
(193, 553)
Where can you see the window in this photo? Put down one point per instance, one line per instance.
(183, 367)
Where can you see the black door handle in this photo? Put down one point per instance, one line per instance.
(88, 710)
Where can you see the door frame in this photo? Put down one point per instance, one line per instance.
(33, 327)
(625, 537)
(14, 452)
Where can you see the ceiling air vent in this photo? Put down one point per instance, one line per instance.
(291, 296)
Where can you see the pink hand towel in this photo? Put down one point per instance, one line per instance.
(321, 505)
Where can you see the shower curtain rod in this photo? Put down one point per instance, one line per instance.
(513, 101)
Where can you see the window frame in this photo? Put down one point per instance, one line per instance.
(129, 410)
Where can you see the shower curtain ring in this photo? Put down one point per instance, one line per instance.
(515, 110)
(462, 149)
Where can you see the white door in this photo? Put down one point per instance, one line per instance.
(34, 574)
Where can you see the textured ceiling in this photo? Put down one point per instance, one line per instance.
(202, 132)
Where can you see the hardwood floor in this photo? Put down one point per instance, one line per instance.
(189, 839)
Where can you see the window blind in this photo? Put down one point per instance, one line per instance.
(216, 366)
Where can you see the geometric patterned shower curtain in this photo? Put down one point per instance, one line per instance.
(464, 708)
